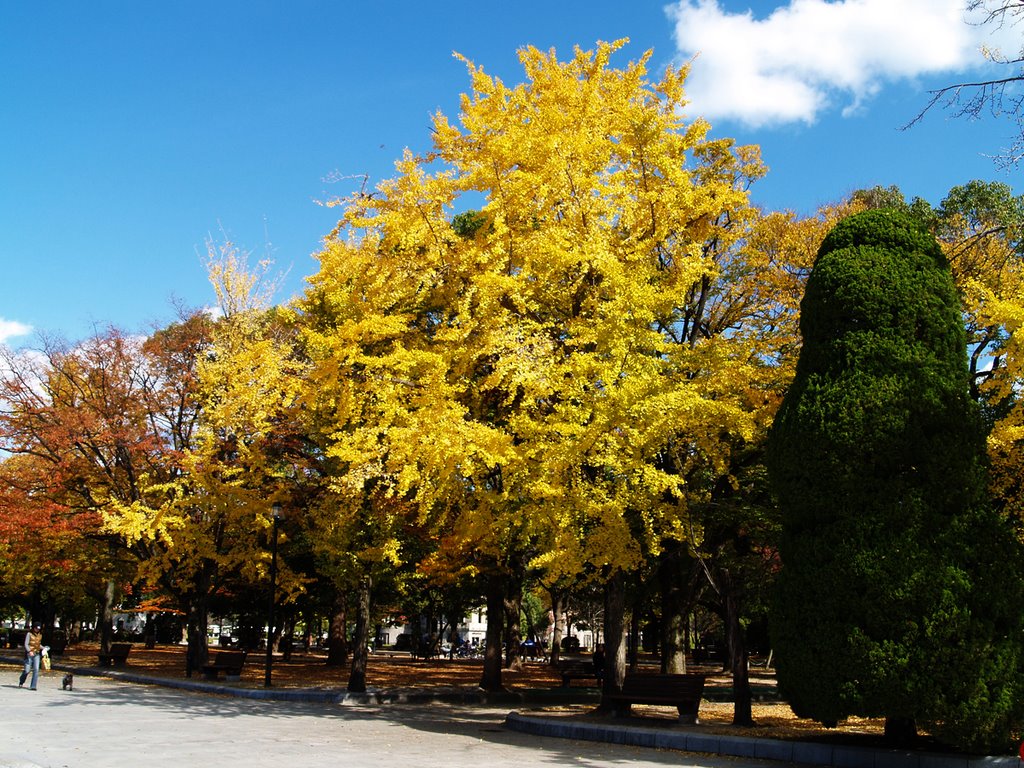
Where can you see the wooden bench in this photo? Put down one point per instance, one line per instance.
(117, 656)
(228, 662)
(683, 692)
(577, 670)
(392, 654)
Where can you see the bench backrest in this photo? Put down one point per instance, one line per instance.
(120, 649)
(229, 657)
(670, 686)
(574, 665)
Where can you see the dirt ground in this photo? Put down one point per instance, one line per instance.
(309, 670)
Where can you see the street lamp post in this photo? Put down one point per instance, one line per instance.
(275, 510)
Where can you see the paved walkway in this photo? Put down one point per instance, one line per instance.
(170, 721)
(106, 723)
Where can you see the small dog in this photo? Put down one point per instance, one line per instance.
(68, 683)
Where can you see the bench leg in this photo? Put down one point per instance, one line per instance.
(622, 709)
(687, 716)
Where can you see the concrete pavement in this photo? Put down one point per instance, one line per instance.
(107, 723)
(365, 717)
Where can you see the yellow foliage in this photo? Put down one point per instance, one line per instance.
(212, 512)
(536, 376)
(238, 287)
(990, 276)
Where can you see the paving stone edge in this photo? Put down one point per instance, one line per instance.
(806, 753)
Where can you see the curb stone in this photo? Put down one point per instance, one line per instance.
(807, 753)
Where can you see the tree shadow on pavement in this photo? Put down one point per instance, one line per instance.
(478, 723)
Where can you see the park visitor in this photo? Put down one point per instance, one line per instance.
(33, 653)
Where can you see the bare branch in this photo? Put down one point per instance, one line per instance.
(997, 95)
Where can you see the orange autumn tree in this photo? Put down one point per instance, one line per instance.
(491, 331)
(121, 440)
(51, 559)
(74, 424)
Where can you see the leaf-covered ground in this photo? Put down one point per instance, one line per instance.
(309, 670)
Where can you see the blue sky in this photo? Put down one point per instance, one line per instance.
(132, 132)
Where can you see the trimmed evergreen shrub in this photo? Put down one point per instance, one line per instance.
(900, 591)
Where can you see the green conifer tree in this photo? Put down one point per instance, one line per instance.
(900, 591)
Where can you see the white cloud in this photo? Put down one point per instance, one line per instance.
(212, 312)
(809, 56)
(10, 329)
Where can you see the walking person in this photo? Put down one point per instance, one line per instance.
(33, 654)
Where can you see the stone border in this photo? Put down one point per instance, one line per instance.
(804, 752)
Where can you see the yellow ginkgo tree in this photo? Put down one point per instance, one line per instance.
(981, 227)
(509, 333)
(738, 344)
(209, 521)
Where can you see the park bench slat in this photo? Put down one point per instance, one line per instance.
(683, 692)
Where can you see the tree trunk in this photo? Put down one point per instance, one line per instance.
(614, 637)
(511, 608)
(900, 730)
(360, 641)
(312, 623)
(286, 637)
(491, 679)
(197, 652)
(276, 632)
(107, 616)
(337, 642)
(738, 655)
(556, 625)
(633, 648)
(673, 614)
(429, 640)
